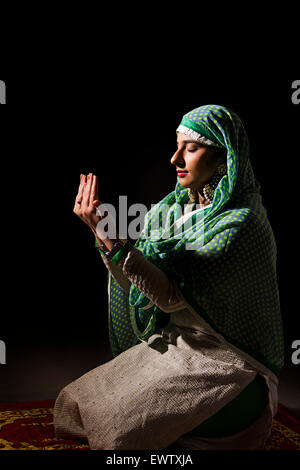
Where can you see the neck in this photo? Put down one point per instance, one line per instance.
(201, 198)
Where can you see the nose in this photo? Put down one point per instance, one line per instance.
(177, 158)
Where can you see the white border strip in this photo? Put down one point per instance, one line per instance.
(196, 136)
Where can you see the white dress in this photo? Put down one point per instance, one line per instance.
(156, 392)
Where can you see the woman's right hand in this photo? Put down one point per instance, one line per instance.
(87, 201)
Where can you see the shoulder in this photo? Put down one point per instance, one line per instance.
(241, 227)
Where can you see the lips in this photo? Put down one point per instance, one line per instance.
(182, 173)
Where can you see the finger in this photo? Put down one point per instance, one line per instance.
(79, 196)
(96, 203)
(86, 192)
(97, 186)
(81, 185)
(93, 189)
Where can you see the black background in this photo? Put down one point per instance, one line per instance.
(119, 121)
(82, 97)
(91, 90)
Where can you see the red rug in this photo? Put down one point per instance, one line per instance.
(29, 426)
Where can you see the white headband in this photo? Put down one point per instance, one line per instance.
(187, 131)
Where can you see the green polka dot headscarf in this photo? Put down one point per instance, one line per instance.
(228, 274)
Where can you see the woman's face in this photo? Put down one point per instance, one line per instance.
(195, 163)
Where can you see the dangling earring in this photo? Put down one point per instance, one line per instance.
(193, 195)
(210, 187)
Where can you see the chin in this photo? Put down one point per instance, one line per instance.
(185, 184)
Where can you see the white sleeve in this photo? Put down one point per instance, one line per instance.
(152, 281)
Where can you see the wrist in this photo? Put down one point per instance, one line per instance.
(106, 244)
(119, 251)
(100, 246)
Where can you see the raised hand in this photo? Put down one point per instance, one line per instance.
(87, 201)
(85, 207)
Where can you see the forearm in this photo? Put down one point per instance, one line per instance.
(106, 244)
(134, 268)
(152, 281)
(114, 269)
(129, 266)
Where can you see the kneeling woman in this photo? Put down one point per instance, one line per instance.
(195, 324)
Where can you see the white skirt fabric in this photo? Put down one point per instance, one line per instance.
(151, 395)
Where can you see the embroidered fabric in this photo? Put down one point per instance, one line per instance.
(196, 136)
(135, 269)
(187, 366)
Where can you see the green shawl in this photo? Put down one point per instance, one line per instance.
(229, 278)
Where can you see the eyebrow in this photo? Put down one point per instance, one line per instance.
(191, 142)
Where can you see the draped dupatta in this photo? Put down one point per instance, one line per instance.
(222, 258)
